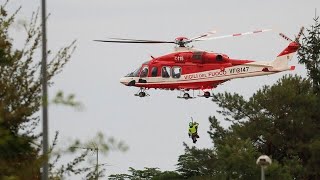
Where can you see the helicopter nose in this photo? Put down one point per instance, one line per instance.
(124, 81)
(127, 81)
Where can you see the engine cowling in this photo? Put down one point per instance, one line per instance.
(215, 58)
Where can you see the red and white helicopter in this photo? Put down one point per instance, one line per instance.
(192, 69)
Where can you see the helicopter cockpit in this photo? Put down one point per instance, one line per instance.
(134, 73)
(144, 70)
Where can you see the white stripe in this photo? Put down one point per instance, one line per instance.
(253, 71)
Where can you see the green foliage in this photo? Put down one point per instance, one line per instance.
(146, 174)
(20, 97)
(309, 53)
(196, 162)
(84, 153)
(168, 175)
(279, 120)
(60, 99)
(20, 100)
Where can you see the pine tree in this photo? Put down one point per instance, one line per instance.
(309, 53)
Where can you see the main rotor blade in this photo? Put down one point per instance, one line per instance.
(144, 40)
(134, 41)
(233, 35)
(207, 34)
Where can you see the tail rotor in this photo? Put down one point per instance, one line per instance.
(285, 37)
(299, 34)
(297, 37)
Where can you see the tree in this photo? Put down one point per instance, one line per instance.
(279, 120)
(84, 153)
(20, 100)
(20, 97)
(309, 53)
(146, 174)
(197, 162)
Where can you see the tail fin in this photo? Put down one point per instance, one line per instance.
(281, 61)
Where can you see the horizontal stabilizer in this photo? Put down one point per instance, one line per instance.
(259, 64)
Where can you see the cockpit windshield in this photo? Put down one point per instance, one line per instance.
(137, 71)
(134, 73)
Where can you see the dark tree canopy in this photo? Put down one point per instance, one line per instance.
(309, 53)
(146, 174)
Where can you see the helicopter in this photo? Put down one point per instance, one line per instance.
(188, 68)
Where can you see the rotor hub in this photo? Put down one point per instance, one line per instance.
(181, 41)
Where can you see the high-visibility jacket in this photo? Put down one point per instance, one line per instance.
(193, 129)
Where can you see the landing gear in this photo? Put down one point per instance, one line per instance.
(185, 95)
(142, 93)
(206, 94)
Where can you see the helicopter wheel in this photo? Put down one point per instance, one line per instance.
(186, 95)
(206, 94)
(142, 94)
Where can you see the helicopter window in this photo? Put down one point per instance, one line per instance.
(166, 71)
(154, 72)
(134, 73)
(144, 72)
(176, 72)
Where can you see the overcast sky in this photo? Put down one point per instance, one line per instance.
(154, 127)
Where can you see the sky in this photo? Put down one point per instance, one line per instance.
(154, 127)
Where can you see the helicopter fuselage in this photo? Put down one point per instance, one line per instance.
(194, 69)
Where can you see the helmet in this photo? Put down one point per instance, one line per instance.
(190, 124)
